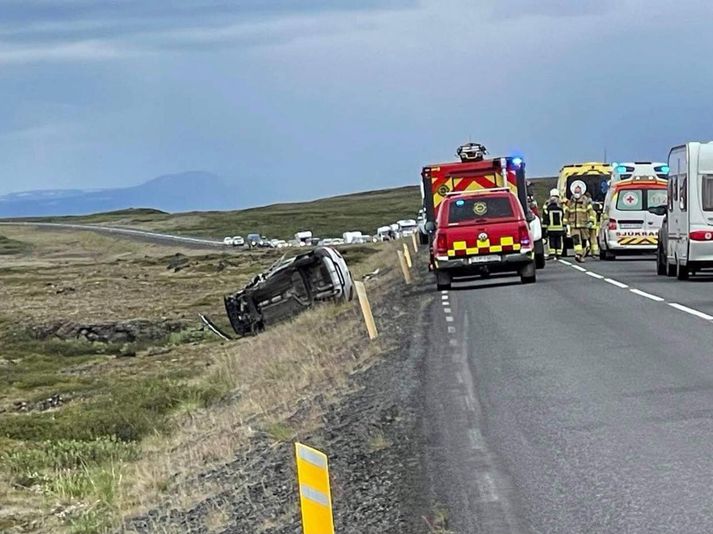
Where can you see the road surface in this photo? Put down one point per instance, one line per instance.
(126, 232)
(580, 404)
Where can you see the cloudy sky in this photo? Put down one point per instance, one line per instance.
(307, 98)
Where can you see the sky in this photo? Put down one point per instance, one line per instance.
(301, 99)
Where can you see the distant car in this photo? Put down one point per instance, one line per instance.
(325, 242)
(254, 240)
(228, 241)
(238, 241)
(337, 241)
(482, 232)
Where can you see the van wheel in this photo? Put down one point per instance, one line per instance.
(606, 255)
(682, 271)
(528, 274)
(443, 280)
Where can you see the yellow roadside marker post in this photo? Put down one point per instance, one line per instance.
(404, 266)
(415, 243)
(407, 255)
(366, 310)
(315, 493)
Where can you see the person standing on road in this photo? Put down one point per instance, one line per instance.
(593, 244)
(553, 224)
(579, 218)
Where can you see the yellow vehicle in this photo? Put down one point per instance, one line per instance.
(595, 175)
(593, 178)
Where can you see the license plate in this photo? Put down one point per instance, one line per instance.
(484, 259)
(629, 226)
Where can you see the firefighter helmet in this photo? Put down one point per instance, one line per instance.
(471, 152)
(554, 192)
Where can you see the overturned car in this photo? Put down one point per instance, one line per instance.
(289, 287)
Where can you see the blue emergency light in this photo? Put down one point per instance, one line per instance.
(621, 169)
(665, 169)
(460, 202)
(518, 161)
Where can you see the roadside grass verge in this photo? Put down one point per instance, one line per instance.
(11, 246)
(140, 420)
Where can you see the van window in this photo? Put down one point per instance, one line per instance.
(640, 199)
(471, 209)
(683, 194)
(630, 200)
(707, 192)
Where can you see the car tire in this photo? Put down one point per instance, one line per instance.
(528, 274)
(540, 260)
(660, 262)
(443, 280)
(423, 238)
(682, 271)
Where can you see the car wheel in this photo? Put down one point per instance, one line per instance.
(682, 271)
(423, 238)
(443, 280)
(660, 262)
(528, 274)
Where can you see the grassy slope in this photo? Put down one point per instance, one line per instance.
(328, 217)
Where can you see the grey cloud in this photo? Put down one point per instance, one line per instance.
(552, 8)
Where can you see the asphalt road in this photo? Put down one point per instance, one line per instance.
(126, 232)
(580, 404)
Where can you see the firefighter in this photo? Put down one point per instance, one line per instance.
(553, 224)
(580, 219)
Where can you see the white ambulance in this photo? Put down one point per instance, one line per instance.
(686, 238)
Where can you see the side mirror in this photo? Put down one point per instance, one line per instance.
(430, 227)
(658, 210)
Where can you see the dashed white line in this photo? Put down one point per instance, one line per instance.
(449, 318)
(447, 310)
(594, 275)
(580, 269)
(691, 311)
(453, 342)
(616, 283)
(451, 329)
(565, 262)
(646, 295)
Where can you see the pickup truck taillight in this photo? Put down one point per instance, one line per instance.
(612, 224)
(441, 244)
(524, 236)
(701, 235)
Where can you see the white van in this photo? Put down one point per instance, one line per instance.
(643, 169)
(687, 234)
(627, 225)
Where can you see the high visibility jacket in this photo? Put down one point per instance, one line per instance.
(578, 214)
(553, 215)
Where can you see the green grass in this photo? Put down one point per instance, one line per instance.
(329, 217)
(11, 246)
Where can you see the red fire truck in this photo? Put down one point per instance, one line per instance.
(475, 172)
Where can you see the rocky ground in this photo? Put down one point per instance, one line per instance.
(371, 435)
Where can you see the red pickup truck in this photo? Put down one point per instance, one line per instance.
(479, 233)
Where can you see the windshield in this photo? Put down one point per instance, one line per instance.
(641, 199)
(597, 185)
(483, 208)
(707, 192)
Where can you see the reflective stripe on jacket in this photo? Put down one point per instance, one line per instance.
(579, 213)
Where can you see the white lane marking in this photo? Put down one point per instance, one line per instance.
(580, 269)
(616, 283)
(447, 310)
(444, 292)
(486, 485)
(565, 262)
(459, 378)
(476, 439)
(691, 311)
(449, 319)
(594, 275)
(453, 342)
(444, 297)
(452, 330)
(646, 295)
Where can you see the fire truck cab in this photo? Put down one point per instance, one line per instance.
(476, 174)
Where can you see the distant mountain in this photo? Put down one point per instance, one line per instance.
(186, 191)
